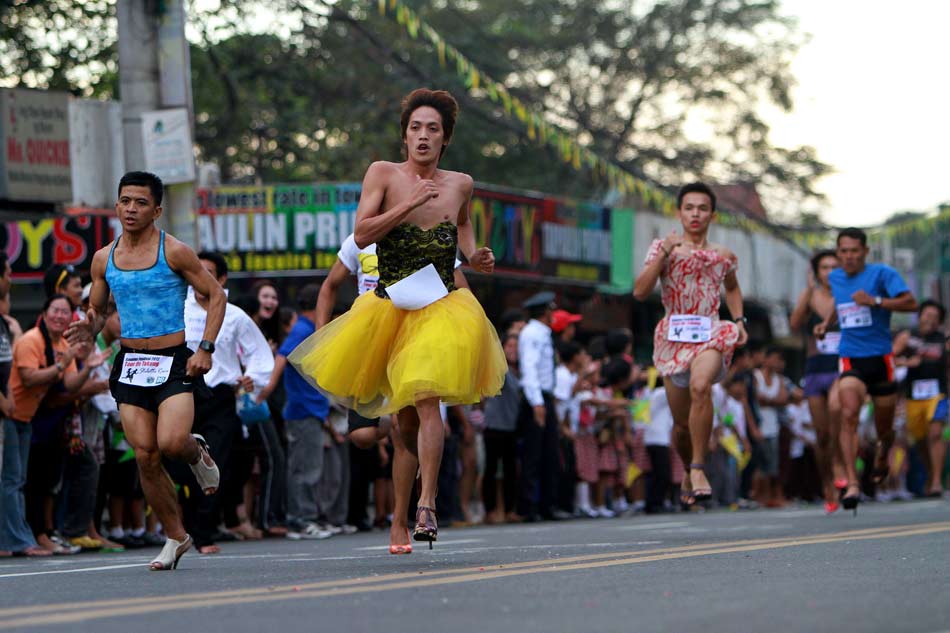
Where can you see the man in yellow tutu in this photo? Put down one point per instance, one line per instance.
(417, 339)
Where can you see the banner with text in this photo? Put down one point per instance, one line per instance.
(300, 227)
(282, 228)
(34, 246)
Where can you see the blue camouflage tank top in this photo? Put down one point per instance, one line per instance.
(151, 301)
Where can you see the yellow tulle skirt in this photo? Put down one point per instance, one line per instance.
(377, 359)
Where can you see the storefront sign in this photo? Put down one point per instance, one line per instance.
(276, 228)
(34, 132)
(32, 247)
(166, 138)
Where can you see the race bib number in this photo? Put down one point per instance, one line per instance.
(925, 389)
(688, 328)
(145, 370)
(852, 315)
(830, 344)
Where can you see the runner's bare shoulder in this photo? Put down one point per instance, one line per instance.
(457, 178)
(177, 253)
(725, 253)
(381, 169)
(100, 260)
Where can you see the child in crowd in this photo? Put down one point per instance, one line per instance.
(802, 482)
(729, 444)
(586, 450)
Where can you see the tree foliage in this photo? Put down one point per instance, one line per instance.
(308, 89)
(59, 45)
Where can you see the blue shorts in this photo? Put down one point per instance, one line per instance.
(819, 384)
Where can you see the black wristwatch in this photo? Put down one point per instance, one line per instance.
(743, 320)
(206, 346)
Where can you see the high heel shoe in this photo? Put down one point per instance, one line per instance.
(171, 554)
(841, 485)
(427, 528)
(208, 476)
(850, 502)
(700, 494)
(399, 550)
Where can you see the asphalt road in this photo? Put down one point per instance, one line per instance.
(888, 569)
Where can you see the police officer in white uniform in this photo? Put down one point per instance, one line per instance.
(539, 426)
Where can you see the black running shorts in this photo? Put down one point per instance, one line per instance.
(149, 398)
(355, 421)
(876, 372)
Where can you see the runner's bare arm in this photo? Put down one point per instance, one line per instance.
(799, 315)
(646, 280)
(460, 280)
(822, 328)
(185, 262)
(734, 300)
(904, 302)
(480, 259)
(327, 297)
(371, 223)
(86, 330)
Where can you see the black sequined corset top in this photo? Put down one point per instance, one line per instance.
(408, 248)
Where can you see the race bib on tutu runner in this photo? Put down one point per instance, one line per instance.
(830, 344)
(925, 389)
(418, 290)
(689, 328)
(852, 315)
(145, 370)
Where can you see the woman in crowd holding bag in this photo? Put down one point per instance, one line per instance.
(691, 346)
(416, 339)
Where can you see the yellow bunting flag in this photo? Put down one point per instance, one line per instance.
(633, 472)
(731, 444)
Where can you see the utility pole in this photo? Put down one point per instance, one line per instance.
(155, 73)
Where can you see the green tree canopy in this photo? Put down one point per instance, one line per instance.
(306, 89)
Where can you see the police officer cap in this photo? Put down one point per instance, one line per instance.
(539, 300)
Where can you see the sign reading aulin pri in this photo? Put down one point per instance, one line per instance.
(277, 228)
(300, 227)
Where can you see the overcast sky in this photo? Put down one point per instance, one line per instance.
(873, 97)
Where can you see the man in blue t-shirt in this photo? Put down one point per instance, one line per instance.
(305, 415)
(865, 295)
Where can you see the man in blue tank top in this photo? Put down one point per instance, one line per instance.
(865, 295)
(153, 375)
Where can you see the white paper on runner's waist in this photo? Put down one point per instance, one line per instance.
(852, 315)
(145, 370)
(925, 389)
(830, 344)
(418, 290)
(689, 328)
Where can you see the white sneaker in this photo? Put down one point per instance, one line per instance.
(332, 529)
(349, 529)
(621, 506)
(588, 512)
(883, 497)
(604, 513)
(312, 532)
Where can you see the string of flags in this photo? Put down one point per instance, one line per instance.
(539, 130)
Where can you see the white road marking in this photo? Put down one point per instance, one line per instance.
(143, 565)
(652, 526)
